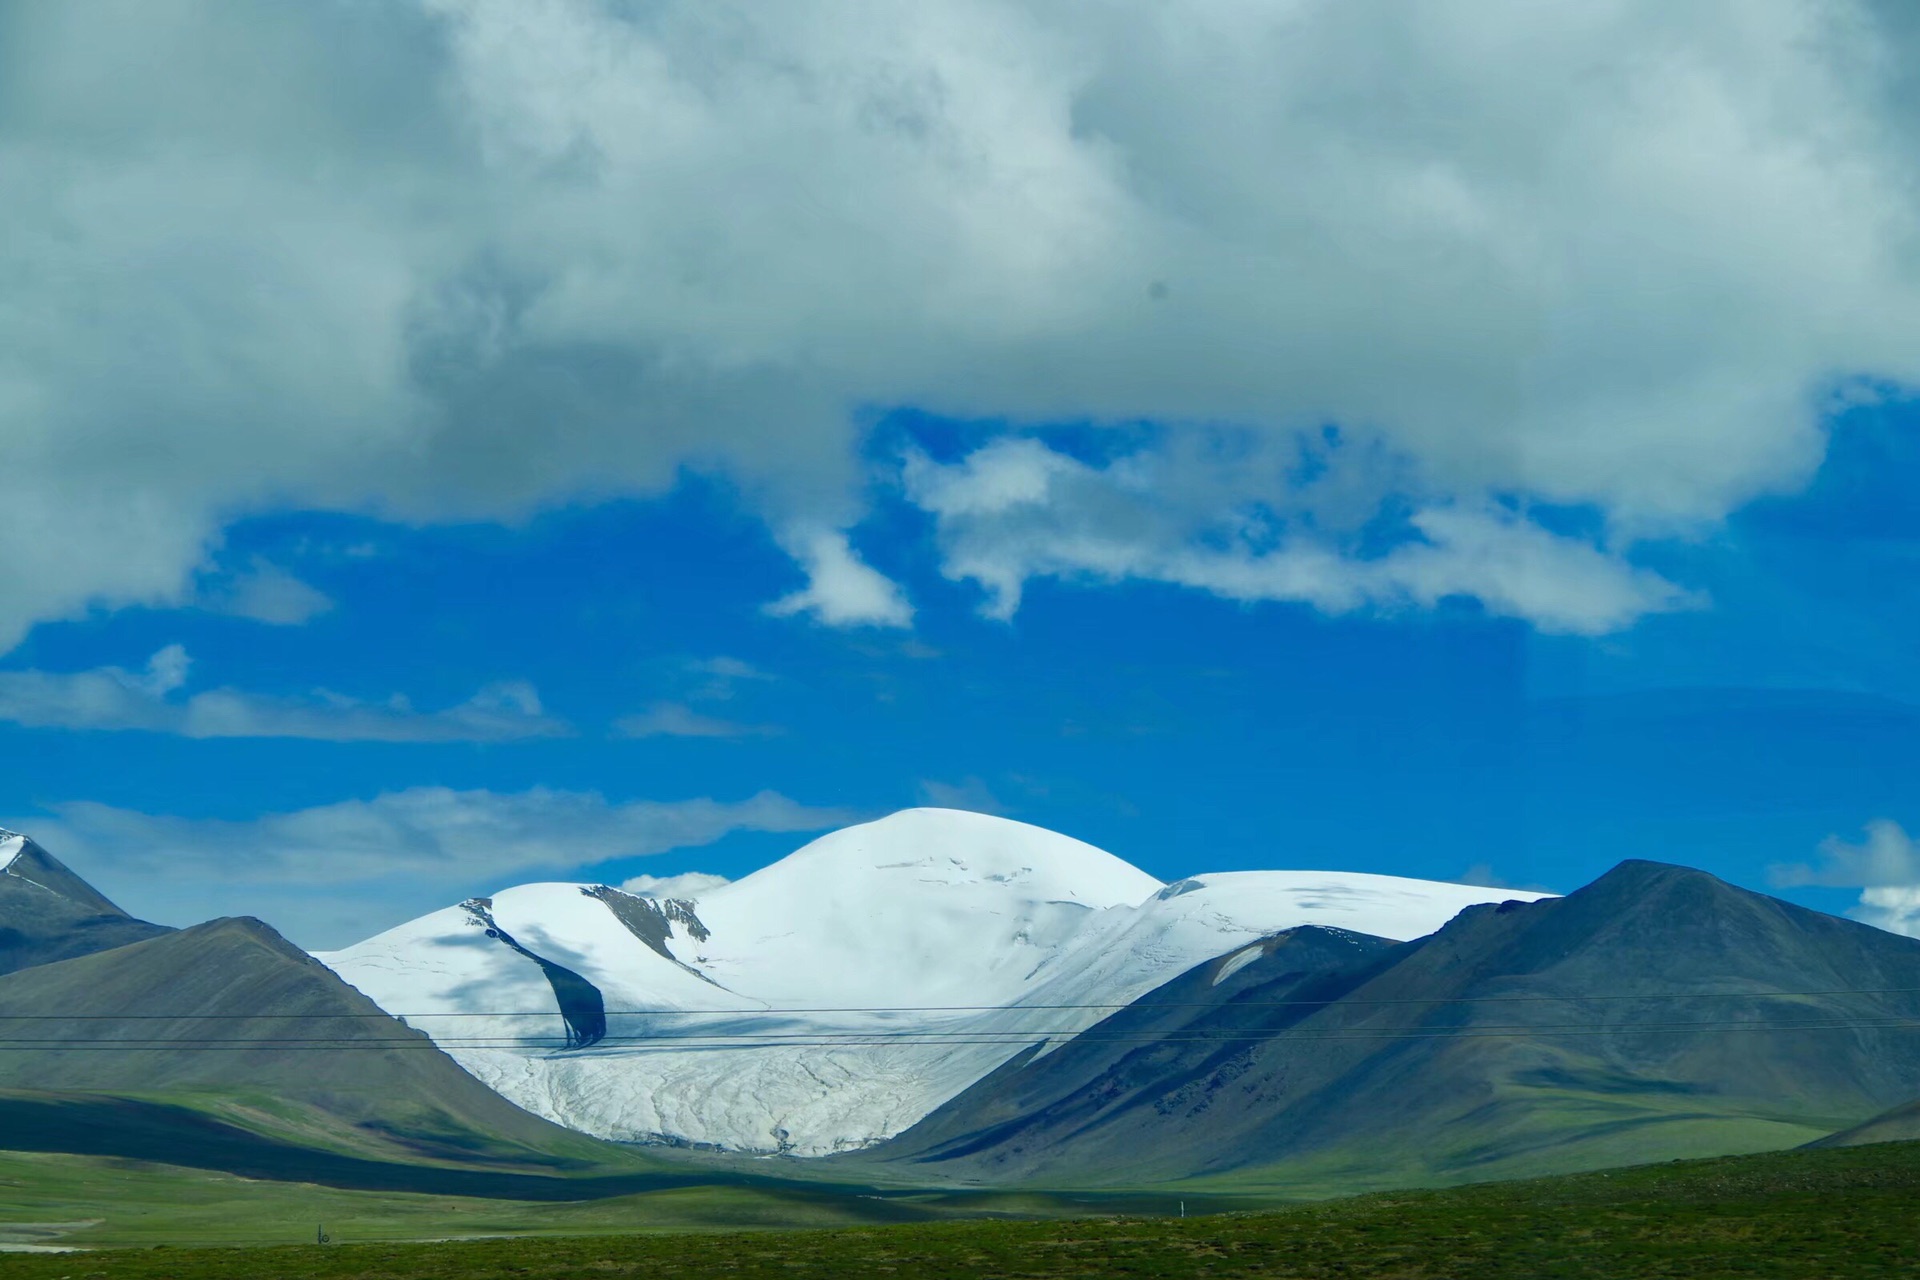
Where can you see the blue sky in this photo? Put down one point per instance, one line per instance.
(459, 442)
(1185, 732)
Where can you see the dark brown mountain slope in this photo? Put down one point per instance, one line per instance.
(47, 913)
(231, 1019)
(1658, 1012)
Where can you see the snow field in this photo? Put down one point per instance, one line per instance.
(853, 986)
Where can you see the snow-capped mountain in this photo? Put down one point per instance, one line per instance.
(47, 913)
(834, 998)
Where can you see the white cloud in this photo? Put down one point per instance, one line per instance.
(727, 669)
(719, 679)
(1887, 857)
(677, 720)
(166, 671)
(467, 258)
(1895, 908)
(1885, 867)
(109, 698)
(842, 589)
(329, 875)
(264, 592)
(688, 884)
(1016, 510)
(104, 698)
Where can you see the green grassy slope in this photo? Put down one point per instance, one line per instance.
(1901, 1124)
(1636, 1019)
(92, 1202)
(271, 1141)
(1804, 1215)
(228, 1020)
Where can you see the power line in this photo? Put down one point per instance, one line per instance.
(938, 1036)
(986, 1008)
(1008, 1039)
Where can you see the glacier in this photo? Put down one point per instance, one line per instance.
(830, 1000)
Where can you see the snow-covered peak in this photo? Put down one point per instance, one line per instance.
(11, 843)
(836, 996)
(925, 907)
(953, 847)
(1395, 907)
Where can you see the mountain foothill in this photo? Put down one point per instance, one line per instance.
(944, 998)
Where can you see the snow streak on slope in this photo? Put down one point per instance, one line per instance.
(832, 999)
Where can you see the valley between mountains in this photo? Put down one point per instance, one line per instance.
(941, 999)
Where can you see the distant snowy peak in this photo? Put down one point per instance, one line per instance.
(835, 997)
(1395, 907)
(926, 907)
(11, 843)
(954, 847)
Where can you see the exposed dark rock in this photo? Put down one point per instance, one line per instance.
(582, 1008)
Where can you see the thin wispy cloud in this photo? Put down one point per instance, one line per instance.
(720, 678)
(677, 720)
(112, 698)
(375, 862)
(972, 794)
(265, 592)
(725, 668)
(714, 680)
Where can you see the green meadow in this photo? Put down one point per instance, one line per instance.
(1815, 1214)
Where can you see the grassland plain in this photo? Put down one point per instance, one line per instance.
(88, 1202)
(1817, 1215)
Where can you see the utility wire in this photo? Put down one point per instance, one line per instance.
(989, 1008)
(937, 1036)
(1010, 1039)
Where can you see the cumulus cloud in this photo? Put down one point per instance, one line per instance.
(1888, 856)
(1893, 907)
(842, 589)
(688, 884)
(1885, 867)
(1016, 510)
(328, 872)
(110, 698)
(467, 258)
